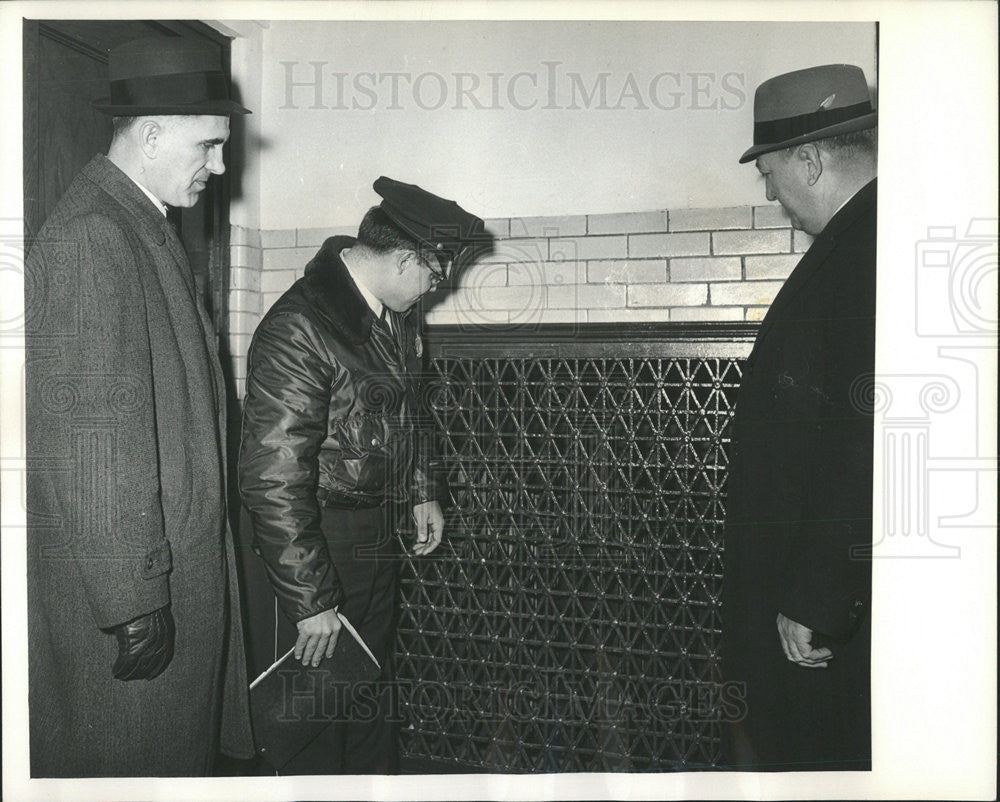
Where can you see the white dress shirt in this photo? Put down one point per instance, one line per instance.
(156, 201)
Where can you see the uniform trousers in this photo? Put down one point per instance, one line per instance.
(361, 738)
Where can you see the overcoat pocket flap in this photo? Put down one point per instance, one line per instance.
(157, 561)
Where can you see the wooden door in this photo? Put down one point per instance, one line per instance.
(65, 68)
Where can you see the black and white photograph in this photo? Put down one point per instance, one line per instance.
(506, 401)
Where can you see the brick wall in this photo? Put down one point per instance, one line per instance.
(686, 265)
(245, 302)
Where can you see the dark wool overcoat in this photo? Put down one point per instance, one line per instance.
(125, 490)
(799, 511)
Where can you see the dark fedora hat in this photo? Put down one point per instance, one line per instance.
(442, 226)
(167, 75)
(807, 105)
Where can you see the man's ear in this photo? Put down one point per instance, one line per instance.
(149, 132)
(811, 159)
(404, 260)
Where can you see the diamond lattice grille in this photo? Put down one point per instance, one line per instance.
(571, 620)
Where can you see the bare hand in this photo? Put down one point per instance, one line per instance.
(430, 527)
(317, 637)
(796, 640)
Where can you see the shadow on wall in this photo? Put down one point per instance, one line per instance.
(243, 144)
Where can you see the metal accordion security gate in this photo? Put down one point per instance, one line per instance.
(570, 620)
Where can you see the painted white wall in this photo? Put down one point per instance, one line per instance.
(246, 59)
(524, 138)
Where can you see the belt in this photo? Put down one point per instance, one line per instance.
(341, 501)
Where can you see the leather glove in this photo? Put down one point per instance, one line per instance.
(145, 645)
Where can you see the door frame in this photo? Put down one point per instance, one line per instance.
(218, 245)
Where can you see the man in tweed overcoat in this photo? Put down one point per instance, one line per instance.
(136, 664)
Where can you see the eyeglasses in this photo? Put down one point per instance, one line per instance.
(439, 272)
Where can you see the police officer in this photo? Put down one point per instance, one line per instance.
(328, 447)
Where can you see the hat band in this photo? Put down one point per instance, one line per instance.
(176, 89)
(771, 131)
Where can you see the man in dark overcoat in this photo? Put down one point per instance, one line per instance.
(136, 664)
(331, 448)
(797, 587)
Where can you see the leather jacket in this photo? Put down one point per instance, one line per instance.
(330, 419)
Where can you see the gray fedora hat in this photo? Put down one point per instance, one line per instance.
(807, 105)
(167, 75)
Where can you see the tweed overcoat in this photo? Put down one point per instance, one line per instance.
(126, 494)
(799, 509)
